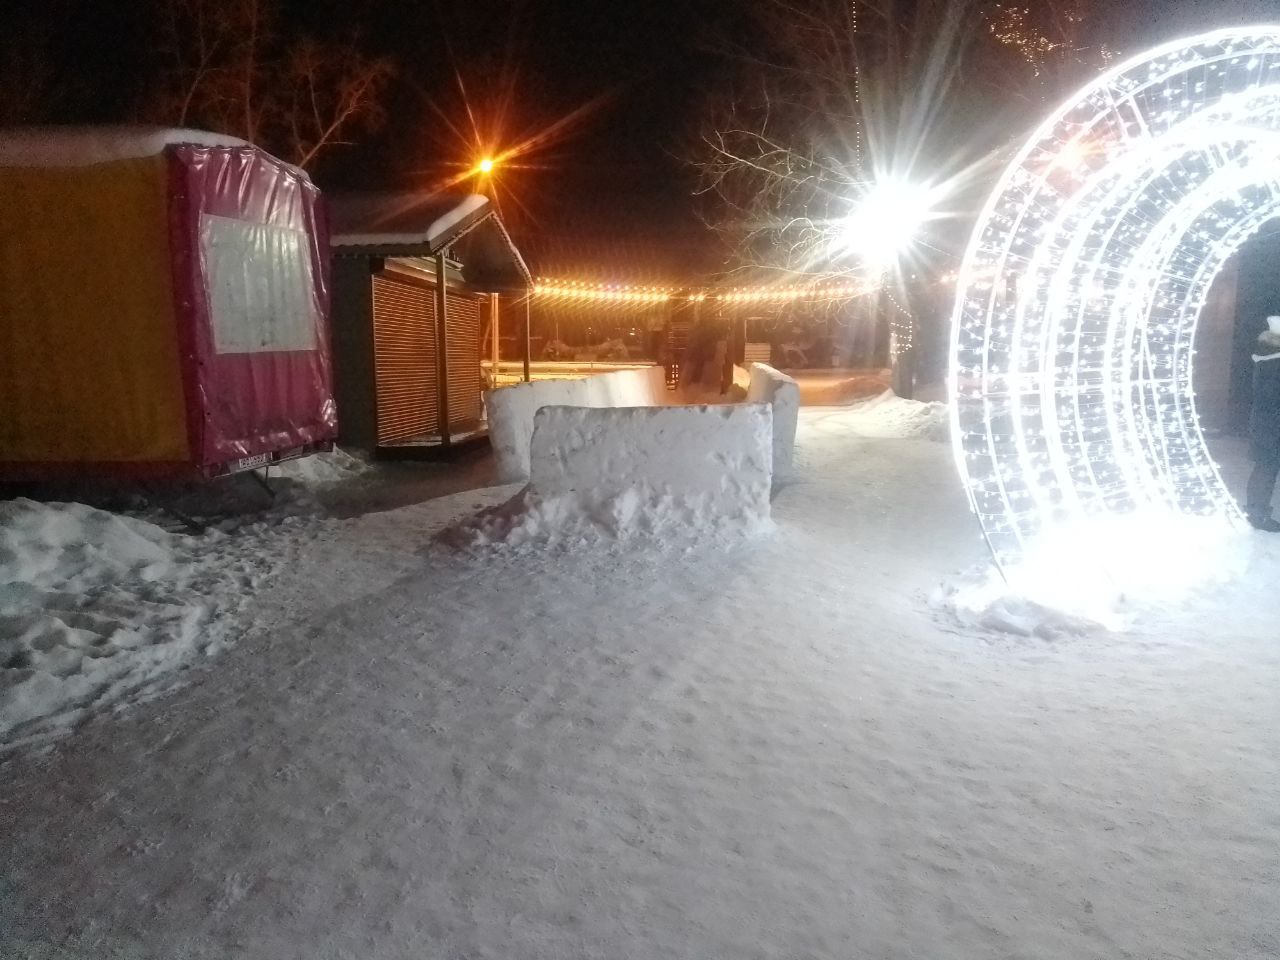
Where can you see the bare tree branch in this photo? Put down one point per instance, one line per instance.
(837, 93)
(233, 72)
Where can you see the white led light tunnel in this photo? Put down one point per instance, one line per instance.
(1077, 304)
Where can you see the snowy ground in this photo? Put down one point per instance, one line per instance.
(783, 749)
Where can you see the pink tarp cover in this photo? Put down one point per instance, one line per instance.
(248, 230)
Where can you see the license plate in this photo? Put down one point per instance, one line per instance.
(248, 463)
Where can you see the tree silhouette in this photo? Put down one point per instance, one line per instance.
(232, 70)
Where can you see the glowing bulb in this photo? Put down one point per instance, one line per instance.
(486, 165)
(884, 222)
(1073, 155)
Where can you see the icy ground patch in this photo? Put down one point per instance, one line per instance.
(775, 751)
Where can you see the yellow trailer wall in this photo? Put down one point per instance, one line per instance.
(89, 357)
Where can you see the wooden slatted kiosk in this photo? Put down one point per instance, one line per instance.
(417, 281)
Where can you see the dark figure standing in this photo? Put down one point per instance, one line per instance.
(1264, 429)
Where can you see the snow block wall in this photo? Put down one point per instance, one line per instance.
(657, 470)
(511, 409)
(770, 386)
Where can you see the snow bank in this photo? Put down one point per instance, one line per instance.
(511, 409)
(670, 474)
(321, 469)
(890, 416)
(980, 599)
(1100, 574)
(72, 146)
(782, 393)
(72, 546)
(97, 609)
(68, 635)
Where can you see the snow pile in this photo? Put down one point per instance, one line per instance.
(97, 608)
(72, 546)
(890, 416)
(639, 514)
(1100, 574)
(61, 654)
(321, 469)
(672, 475)
(69, 633)
(980, 599)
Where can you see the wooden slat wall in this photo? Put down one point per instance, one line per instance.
(405, 361)
(463, 335)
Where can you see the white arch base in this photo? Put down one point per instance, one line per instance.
(1077, 304)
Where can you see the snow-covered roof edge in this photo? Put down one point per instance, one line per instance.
(451, 223)
(434, 235)
(516, 256)
(83, 146)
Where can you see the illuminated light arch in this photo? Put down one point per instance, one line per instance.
(1077, 304)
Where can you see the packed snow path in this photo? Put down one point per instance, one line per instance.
(776, 752)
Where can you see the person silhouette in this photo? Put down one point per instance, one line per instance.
(1264, 429)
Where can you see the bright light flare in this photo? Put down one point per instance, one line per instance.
(1104, 572)
(884, 223)
(498, 158)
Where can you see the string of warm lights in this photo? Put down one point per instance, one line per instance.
(833, 291)
(579, 290)
(1079, 296)
(623, 293)
(901, 322)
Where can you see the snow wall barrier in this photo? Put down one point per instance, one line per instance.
(511, 409)
(708, 466)
(770, 386)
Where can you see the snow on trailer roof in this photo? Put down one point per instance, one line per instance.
(84, 146)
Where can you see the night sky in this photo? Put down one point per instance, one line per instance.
(644, 65)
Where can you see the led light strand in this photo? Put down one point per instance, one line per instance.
(1077, 303)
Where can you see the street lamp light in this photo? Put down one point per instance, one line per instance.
(883, 222)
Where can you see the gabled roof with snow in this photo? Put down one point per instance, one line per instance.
(83, 146)
(403, 219)
(415, 225)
